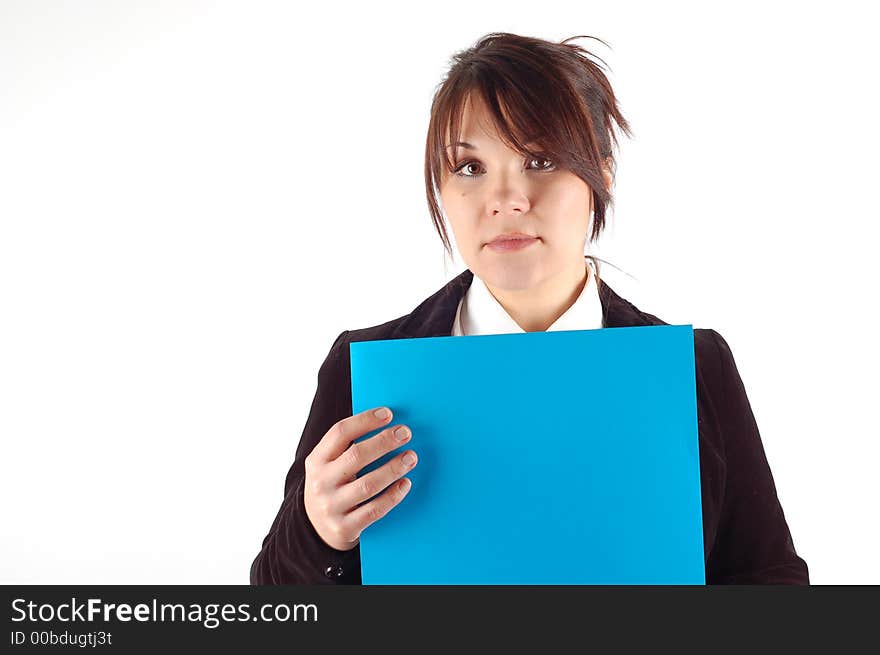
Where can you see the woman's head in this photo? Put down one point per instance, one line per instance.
(538, 116)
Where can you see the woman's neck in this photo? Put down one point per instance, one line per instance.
(536, 309)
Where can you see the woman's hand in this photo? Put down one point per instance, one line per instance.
(332, 488)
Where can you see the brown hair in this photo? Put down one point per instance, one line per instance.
(536, 90)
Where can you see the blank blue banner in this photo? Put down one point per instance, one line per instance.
(564, 457)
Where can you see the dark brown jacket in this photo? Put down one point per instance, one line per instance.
(746, 538)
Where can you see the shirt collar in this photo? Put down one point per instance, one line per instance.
(480, 313)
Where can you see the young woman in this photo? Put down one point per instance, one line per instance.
(519, 154)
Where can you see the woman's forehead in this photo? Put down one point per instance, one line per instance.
(477, 122)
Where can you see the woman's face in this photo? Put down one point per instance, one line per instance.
(495, 190)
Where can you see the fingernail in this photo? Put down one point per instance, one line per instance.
(401, 433)
(409, 459)
(382, 413)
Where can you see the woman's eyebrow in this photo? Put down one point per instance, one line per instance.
(469, 146)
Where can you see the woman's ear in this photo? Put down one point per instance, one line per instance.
(606, 174)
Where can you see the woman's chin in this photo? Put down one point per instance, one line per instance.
(510, 276)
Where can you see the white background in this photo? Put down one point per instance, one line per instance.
(197, 197)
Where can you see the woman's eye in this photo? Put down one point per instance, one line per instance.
(464, 167)
(545, 165)
(464, 170)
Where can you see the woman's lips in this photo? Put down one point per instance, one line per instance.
(507, 245)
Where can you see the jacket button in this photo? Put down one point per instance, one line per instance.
(333, 572)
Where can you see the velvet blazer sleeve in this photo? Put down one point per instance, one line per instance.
(752, 544)
(293, 552)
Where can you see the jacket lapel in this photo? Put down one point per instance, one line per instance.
(434, 317)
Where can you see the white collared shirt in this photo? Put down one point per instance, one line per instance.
(479, 313)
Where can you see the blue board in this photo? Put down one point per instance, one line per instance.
(564, 457)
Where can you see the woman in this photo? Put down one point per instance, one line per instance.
(519, 153)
